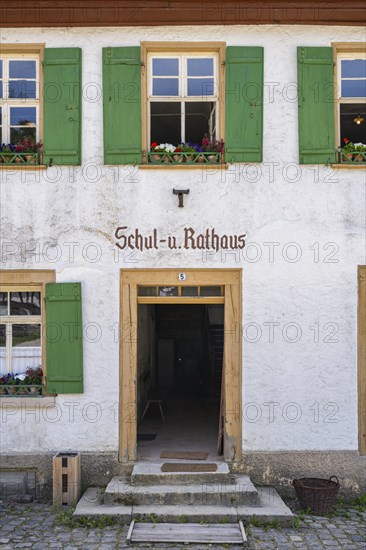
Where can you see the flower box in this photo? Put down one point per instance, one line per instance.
(199, 158)
(21, 390)
(19, 158)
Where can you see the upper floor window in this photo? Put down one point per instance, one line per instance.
(19, 98)
(351, 70)
(183, 97)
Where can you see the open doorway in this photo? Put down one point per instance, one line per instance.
(180, 351)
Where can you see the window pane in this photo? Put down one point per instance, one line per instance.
(211, 291)
(1, 68)
(168, 291)
(19, 134)
(353, 88)
(1, 88)
(147, 290)
(165, 67)
(198, 117)
(25, 303)
(1, 117)
(3, 349)
(22, 69)
(4, 303)
(165, 122)
(200, 67)
(26, 340)
(165, 86)
(23, 116)
(22, 88)
(353, 68)
(189, 290)
(201, 86)
(349, 129)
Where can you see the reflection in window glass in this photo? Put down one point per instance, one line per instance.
(1, 88)
(26, 342)
(353, 88)
(1, 68)
(17, 135)
(4, 303)
(25, 303)
(189, 290)
(201, 86)
(353, 68)
(211, 291)
(22, 89)
(22, 69)
(23, 116)
(147, 290)
(165, 86)
(165, 67)
(200, 67)
(168, 291)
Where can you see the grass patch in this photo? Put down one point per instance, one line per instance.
(66, 519)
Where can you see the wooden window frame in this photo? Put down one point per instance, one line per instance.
(32, 279)
(340, 49)
(29, 51)
(130, 279)
(148, 48)
(361, 352)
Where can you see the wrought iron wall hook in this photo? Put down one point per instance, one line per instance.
(180, 193)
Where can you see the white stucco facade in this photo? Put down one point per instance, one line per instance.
(305, 237)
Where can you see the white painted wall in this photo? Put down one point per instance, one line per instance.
(274, 202)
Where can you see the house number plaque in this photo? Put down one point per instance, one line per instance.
(182, 276)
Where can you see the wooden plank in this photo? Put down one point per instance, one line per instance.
(361, 344)
(129, 534)
(243, 534)
(232, 371)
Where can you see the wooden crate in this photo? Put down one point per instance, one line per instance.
(66, 478)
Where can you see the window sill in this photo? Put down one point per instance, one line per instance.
(360, 166)
(183, 166)
(15, 166)
(29, 402)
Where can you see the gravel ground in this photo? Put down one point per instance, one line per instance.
(40, 527)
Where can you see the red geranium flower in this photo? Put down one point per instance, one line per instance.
(153, 145)
(178, 150)
(346, 140)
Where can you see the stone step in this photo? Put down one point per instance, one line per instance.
(149, 473)
(271, 508)
(238, 491)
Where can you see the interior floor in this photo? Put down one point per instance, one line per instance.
(180, 354)
(191, 424)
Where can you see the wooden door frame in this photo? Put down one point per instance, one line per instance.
(231, 279)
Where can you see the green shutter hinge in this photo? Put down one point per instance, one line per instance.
(302, 53)
(109, 54)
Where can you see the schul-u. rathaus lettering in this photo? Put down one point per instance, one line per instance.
(208, 239)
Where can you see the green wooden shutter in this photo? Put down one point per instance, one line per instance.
(62, 106)
(244, 104)
(64, 338)
(122, 105)
(316, 105)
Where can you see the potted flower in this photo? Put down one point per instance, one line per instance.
(7, 152)
(188, 148)
(162, 151)
(360, 148)
(29, 150)
(33, 378)
(214, 146)
(347, 150)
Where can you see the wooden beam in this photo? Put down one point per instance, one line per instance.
(114, 13)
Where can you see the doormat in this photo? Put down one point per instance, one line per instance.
(185, 455)
(186, 467)
(194, 533)
(146, 437)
